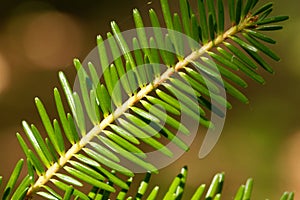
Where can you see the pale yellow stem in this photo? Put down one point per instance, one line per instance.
(42, 180)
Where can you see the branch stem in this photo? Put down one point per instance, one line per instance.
(96, 130)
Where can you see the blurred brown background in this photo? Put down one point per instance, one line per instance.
(260, 140)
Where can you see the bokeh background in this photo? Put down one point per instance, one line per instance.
(260, 140)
